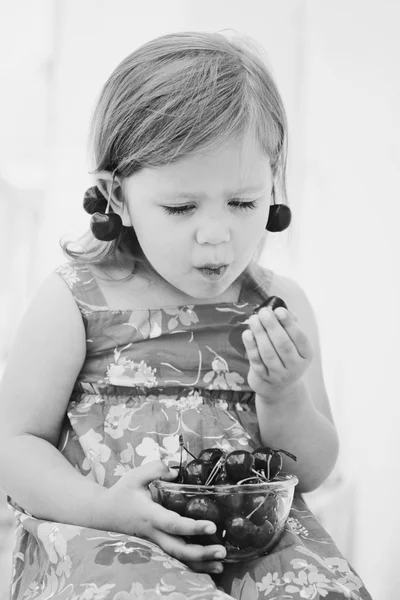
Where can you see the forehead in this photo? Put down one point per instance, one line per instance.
(238, 165)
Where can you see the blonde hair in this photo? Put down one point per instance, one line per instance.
(178, 95)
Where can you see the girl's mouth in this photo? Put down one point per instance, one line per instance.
(213, 272)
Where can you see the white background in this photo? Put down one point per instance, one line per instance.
(337, 67)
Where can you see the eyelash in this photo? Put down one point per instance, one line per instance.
(181, 210)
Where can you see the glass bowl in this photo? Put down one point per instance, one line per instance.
(250, 518)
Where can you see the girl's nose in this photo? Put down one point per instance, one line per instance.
(214, 232)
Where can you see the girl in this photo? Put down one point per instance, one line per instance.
(136, 340)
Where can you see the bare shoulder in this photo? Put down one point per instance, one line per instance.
(299, 304)
(44, 361)
(297, 301)
(287, 288)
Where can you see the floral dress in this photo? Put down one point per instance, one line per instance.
(150, 375)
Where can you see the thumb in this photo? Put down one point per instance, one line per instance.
(145, 474)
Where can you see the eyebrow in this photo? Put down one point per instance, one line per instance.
(200, 196)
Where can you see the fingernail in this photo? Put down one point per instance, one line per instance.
(220, 554)
(210, 529)
(217, 570)
(281, 313)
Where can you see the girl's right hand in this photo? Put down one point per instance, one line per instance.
(128, 506)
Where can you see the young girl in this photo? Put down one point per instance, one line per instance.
(138, 339)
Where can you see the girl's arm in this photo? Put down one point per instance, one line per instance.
(294, 424)
(46, 358)
(297, 417)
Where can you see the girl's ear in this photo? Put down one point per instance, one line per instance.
(104, 181)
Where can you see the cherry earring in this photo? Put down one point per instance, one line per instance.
(279, 217)
(106, 226)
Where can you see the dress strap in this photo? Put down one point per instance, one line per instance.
(84, 287)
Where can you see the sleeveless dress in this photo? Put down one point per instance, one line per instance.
(150, 375)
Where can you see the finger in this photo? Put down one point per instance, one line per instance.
(170, 522)
(280, 340)
(145, 474)
(266, 349)
(208, 566)
(252, 350)
(178, 548)
(298, 337)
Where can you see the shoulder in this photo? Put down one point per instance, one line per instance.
(287, 288)
(54, 305)
(296, 299)
(49, 349)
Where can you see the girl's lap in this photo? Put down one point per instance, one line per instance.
(63, 561)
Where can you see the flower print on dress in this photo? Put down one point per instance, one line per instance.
(182, 403)
(117, 420)
(127, 461)
(169, 452)
(297, 527)
(309, 585)
(93, 592)
(148, 323)
(69, 273)
(54, 538)
(244, 588)
(126, 372)
(220, 378)
(96, 453)
(181, 314)
(130, 550)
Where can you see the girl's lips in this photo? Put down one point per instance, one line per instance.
(213, 272)
(213, 266)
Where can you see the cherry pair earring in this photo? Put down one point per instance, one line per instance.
(279, 217)
(107, 226)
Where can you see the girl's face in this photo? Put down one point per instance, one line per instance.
(200, 220)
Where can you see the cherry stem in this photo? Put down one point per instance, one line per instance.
(215, 469)
(259, 475)
(256, 508)
(184, 447)
(292, 456)
(247, 479)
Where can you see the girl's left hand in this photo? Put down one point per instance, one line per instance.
(278, 350)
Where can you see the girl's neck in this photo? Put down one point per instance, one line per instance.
(128, 288)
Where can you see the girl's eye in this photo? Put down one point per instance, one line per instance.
(244, 205)
(177, 210)
(237, 204)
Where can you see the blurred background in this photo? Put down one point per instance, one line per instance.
(337, 67)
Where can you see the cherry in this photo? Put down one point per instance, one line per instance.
(260, 508)
(196, 472)
(268, 461)
(239, 464)
(240, 532)
(263, 535)
(208, 539)
(175, 502)
(223, 479)
(211, 455)
(178, 468)
(203, 508)
(233, 503)
(105, 227)
(272, 302)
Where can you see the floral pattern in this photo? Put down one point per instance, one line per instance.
(149, 376)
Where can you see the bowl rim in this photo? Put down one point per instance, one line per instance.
(286, 481)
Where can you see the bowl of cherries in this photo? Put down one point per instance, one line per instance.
(244, 493)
